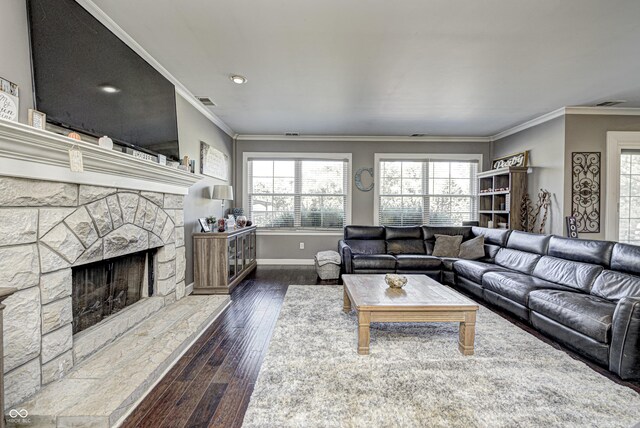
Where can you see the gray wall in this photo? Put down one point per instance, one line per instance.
(545, 144)
(588, 133)
(287, 247)
(15, 64)
(193, 128)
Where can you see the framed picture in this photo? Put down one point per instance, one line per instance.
(213, 162)
(37, 119)
(516, 159)
(9, 100)
(204, 225)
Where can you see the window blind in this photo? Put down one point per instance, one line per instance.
(298, 193)
(435, 192)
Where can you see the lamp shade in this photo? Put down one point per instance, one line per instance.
(221, 191)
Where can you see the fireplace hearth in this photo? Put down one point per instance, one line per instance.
(104, 288)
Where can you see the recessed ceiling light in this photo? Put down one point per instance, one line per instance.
(109, 89)
(236, 78)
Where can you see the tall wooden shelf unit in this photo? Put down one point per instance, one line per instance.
(223, 259)
(501, 206)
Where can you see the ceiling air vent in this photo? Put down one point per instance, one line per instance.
(417, 135)
(291, 134)
(610, 103)
(206, 101)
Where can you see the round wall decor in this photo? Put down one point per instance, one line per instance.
(358, 179)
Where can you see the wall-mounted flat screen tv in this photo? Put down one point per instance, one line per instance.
(87, 79)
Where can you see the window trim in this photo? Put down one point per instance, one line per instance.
(377, 157)
(297, 155)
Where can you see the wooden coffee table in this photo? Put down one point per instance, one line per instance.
(421, 300)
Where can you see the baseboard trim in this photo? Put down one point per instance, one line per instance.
(188, 289)
(266, 262)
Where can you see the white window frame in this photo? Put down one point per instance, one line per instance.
(288, 155)
(377, 157)
(617, 141)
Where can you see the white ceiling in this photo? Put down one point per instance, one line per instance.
(381, 67)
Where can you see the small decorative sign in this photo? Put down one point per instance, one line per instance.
(37, 119)
(213, 162)
(516, 159)
(75, 160)
(141, 155)
(9, 100)
(572, 227)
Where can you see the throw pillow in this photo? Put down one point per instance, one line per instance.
(447, 245)
(473, 249)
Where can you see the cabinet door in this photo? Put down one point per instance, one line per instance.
(232, 249)
(239, 255)
(252, 246)
(247, 249)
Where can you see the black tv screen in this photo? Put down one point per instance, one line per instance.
(87, 79)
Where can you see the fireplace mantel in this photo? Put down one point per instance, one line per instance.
(37, 154)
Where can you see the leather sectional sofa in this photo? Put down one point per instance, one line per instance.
(585, 294)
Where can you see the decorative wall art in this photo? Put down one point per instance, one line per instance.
(36, 119)
(213, 162)
(585, 190)
(516, 159)
(9, 100)
(358, 179)
(572, 227)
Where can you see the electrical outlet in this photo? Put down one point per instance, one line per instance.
(302, 245)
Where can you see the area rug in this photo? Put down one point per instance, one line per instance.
(415, 376)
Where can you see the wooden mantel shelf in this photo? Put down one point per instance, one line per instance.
(37, 154)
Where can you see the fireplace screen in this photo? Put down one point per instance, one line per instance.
(104, 288)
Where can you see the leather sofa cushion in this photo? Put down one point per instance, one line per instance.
(516, 286)
(447, 263)
(581, 250)
(430, 233)
(566, 272)
(587, 314)
(366, 246)
(364, 232)
(614, 286)
(490, 251)
(624, 258)
(473, 270)
(520, 261)
(403, 232)
(492, 236)
(529, 242)
(418, 262)
(374, 261)
(405, 246)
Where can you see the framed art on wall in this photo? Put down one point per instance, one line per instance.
(213, 162)
(585, 190)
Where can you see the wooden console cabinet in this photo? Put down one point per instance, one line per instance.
(223, 259)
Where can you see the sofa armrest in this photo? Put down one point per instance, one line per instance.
(345, 253)
(624, 356)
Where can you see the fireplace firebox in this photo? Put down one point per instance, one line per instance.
(102, 289)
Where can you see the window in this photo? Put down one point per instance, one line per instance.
(420, 189)
(629, 217)
(298, 191)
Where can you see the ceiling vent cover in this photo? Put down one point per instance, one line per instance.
(417, 135)
(291, 134)
(610, 103)
(206, 101)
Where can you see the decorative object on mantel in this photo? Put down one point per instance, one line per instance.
(572, 227)
(140, 155)
(74, 136)
(517, 159)
(204, 225)
(530, 215)
(105, 142)
(395, 281)
(585, 190)
(162, 159)
(213, 162)
(75, 159)
(358, 179)
(37, 119)
(9, 100)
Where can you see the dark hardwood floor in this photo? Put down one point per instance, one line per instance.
(212, 383)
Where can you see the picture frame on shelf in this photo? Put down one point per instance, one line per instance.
(204, 225)
(37, 119)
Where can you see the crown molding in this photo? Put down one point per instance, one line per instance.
(604, 111)
(181, 90)
(529, 124)
(363, 138)
(32, 153)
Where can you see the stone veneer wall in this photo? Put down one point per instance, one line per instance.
(48, 227)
